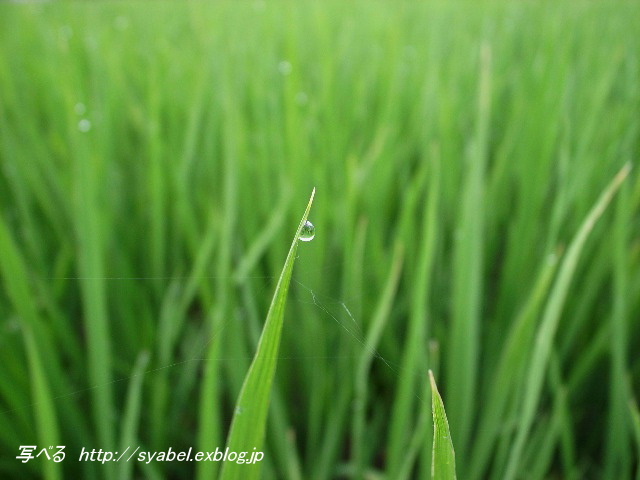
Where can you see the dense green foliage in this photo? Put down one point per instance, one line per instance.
(154, 161)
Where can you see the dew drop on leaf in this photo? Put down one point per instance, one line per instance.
(308, 232)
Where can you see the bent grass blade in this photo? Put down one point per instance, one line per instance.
(249, 420)
(549, 323)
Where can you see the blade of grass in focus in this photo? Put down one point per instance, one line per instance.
(443, 465)
(250, 414)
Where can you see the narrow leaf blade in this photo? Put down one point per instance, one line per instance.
(443, 466)
(250, 415)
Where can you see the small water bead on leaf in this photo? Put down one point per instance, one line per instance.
(308, 232)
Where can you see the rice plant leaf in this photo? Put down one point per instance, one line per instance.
(635, 422)
(250, 415)
(443, 465)
(14, 275)
(551, 316)
(132, 413)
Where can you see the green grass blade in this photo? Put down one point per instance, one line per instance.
(618, 458)
(464, 345)
(250, 415)
(512, 360)
(263, 240)
(14, 273)
(411, 379)
(91, 228)
(550, 319)
(379, 321)
(443, 465)
(635, 423)
(419, 439)
(131, 417)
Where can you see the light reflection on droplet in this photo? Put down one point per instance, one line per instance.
(308, 232)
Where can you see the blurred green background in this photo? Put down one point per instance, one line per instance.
(155, 159)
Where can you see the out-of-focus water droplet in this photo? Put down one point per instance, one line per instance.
(308, 232)
(80, 108)
(84, 125)
(302, 98)
(121, 22)
(284, 67)
(91, 41)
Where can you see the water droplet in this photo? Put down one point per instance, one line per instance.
(308, 232)
(121, 23)
(80, 108)
(84, 125)
(284, 67)
(302, 98)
